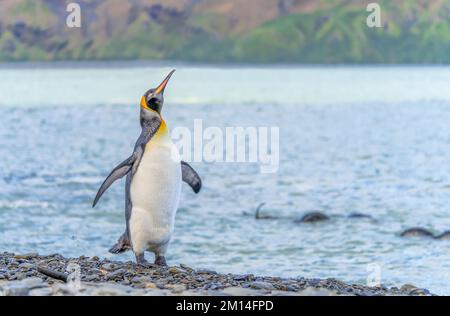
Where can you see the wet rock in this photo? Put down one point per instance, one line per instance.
(259, 285)
(416, 232)
(136, 279)
(20, 276)
(187, 268)
(108, 266)
(177, 288)
(313, 217)
(215, 286)
(26, 256)
(240, 277)
(142, 279)
(419, 292)
(91, 278)
(205, 271)
(150, 285)
(117, 274)
(175, 270)
(291, 288)
(414, 290)
(26, 266)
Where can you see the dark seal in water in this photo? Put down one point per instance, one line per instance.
(444, 236)
(258, 214)
(313, 217)
(359, 215)
(417, 232)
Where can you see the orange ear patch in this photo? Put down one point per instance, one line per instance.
(144, 103)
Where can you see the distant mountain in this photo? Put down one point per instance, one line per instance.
(259, 31)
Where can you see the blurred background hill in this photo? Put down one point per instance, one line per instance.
(255, 31)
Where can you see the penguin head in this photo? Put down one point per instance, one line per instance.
(153, 99)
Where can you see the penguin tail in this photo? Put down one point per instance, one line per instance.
(122, 245)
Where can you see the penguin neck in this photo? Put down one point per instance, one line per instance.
(162, 135)
(163, 130)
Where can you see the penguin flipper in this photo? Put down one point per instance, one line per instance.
(117, 173)
(191, 177)
(122, 245)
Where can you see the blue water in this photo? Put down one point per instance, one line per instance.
(373, 140)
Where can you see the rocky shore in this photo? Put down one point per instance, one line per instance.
(32, 274)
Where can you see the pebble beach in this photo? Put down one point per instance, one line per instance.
(36, 275)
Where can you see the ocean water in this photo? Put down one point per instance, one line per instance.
(371, 140)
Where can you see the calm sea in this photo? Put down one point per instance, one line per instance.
(371, 140)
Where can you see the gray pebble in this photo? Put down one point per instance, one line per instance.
(240, 277)
(205, 271)
(20, 276)
(109, 266)
(26, 265)
(262, 285)
(116, 274)
(91, 278)
(117, 278)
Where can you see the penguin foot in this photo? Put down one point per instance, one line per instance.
(140, 259)
(161, 261)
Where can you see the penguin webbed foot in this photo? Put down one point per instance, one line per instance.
(140, 259)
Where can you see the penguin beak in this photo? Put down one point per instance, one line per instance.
(160, 89)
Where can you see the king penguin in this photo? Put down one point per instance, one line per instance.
(153, 184)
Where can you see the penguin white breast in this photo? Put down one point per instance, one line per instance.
(155, 193)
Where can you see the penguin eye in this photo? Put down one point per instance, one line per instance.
(152, 101)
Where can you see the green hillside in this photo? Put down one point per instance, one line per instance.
(257, 31)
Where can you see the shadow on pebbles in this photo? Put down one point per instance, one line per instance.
(19, 276)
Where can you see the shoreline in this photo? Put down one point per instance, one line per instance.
(19, 276)
(167, 63)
